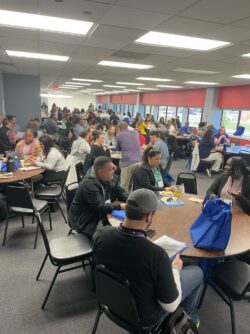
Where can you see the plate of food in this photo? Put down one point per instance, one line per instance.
(166, 193)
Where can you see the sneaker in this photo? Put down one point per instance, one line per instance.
(208, 173)
(195, 319)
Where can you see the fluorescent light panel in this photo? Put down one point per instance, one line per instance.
(67, 87)
(114, 86)
(147, 88)
(130, 83)
(242, 76)
(33, 55)
(169, 86)
(246, 55)
(42, 22)
(124, 65)
(88, 80)
(56, 96)
(201, 83)
(190, 70)
(153, 79)
(179, 41)
(77, 83)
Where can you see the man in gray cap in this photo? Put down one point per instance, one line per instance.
(159, 286)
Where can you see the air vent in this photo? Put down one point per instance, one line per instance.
(130, 55)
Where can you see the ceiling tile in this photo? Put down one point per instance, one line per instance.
(112, 33)
(229, 34)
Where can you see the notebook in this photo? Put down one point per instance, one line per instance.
(171, 246)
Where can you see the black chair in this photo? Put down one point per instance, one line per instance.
(65, 251)
(189, 181)
(116, 300)
(170, 160)
(246, 156)
(231, 280)
(52, 194)
(70, 191)
(19, 201)
(79, 171)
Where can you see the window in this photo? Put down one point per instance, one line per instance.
(154, 112)
(147, 110)
(182, 112)
(162, 112)
(171, 112)
(230, 120)
(194, 116)
(245, 121)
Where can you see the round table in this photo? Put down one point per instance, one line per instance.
(175, 222)
(20, 175)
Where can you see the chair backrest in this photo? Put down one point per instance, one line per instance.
(17, 194)
(44, 236)
(115, 298)
(132, 180)
(79, 171)
(246, 156)
(170, 160)
(70, 193)
(189, 181)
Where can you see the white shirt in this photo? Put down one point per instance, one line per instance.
(55, 161)
(80, 148)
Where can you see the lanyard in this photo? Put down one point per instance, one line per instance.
(131, 232)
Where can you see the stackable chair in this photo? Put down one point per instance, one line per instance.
(189, 181)
(70, 191)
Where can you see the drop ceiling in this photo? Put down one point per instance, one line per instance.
(118, 24)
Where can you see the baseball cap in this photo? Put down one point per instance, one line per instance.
(143, 200)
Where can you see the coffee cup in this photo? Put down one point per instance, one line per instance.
(22, 163)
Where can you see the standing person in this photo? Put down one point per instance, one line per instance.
(80, 148)
(8, 137)
(89, 209)
(221, 137)
(52, 160)
(160, 145)
(159, 286)
(127, 141)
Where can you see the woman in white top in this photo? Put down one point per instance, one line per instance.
(80, 147)
(51, 159)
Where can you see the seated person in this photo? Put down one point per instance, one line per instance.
(29, 147)
(158, 285)
(208, 151)
(221, 137)
(185, 129)
(80, 147)
(8, 137)
(233, 185)
(194, 137)
(148, 174)
(160, 145)
(92, 202)
(110, 139)
(52, 159)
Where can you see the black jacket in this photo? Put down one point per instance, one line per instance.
(144, 178)
(96, 151)
(244, 200)
(89, 205)
(5, 145)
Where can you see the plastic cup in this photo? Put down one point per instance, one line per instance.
(22, 163)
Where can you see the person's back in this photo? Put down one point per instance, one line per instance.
(51, 126)
(129, 144)
(141, 262)
(163, 148)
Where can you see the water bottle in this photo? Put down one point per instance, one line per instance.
(10, 164)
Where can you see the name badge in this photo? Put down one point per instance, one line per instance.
(160, 184)
(108, 201)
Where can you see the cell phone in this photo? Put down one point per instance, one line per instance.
(150, 233)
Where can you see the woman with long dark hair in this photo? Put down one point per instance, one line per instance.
(233, 185)
(148, 175)
(52, 159)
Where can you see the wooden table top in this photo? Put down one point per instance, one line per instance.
(20, 175)
(176, 221)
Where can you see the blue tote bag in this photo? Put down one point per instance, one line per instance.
(212, 229)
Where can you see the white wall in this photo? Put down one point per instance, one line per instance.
(77, 101)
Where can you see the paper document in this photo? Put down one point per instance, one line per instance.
(26, 169)
(171, 246)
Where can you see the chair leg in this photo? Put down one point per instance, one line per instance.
(23, 221)
(232, 315)
(59, 206)
(50, 222)
(70, 231)
(99, 313)
(202, 295)
(33, 219)
(6, 229)
(36, 236)
(41, 268)
(50, 288)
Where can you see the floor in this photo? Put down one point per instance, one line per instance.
(72, 306)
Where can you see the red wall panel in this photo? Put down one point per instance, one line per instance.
(187, 97)
(124, 99)
(103, 98)
(234, 97)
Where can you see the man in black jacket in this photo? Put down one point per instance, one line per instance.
(92, 202)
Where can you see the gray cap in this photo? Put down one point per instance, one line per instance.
(143, 200)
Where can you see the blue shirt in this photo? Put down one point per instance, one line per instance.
(186, 129)
(222, 141)
(205, 148)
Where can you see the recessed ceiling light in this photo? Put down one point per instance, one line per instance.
(33, 55)
(124, 65)
(242, 76)
(147, 88)
(88, 80)
(56, 96)
(201, 83)
(42, 22)
(169, 86)
(190, 70)
(131, 90)
(179, 41)
(153, 79)
(130, 83)
(77, 83)
(114, 86)
(246, 55)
